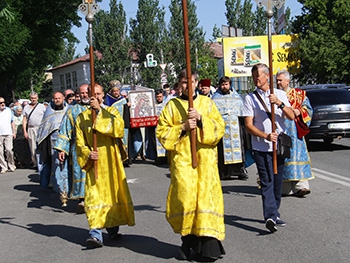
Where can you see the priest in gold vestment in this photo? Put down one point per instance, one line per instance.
(108, 202)
(195, 207)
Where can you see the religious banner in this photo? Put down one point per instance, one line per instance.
(142, 108)
(242, 53)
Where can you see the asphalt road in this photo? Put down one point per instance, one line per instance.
(35, 228)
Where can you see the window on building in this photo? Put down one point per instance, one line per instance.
(75, 81)
(68, 81)
(62, 82)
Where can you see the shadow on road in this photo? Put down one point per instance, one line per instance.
(237, 221)
(320, 146)
(145, 245)
(68, 233)
(41, 197)
(244, 189)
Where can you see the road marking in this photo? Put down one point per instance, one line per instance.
(131, 181)
(319, 172)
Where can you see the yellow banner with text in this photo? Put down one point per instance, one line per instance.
(242, 53)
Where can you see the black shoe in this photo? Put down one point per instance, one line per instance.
(280, 222)
(243, 177)
(271, 225)
(93, 242)
(81, 207)
(185, 251)
(114, 236)
(244, 174)
(184, 254)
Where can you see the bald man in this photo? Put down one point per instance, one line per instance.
(47, 136)
(71, 184)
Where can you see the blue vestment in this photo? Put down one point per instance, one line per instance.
(46, 139)
(66, 143)
(298, 166)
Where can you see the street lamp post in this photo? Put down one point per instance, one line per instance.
(89, 8)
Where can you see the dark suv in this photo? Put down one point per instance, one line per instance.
(331, 118)
(323, 86)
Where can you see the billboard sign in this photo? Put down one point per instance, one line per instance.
(242, 53)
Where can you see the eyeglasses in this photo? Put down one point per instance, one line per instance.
(2, 102)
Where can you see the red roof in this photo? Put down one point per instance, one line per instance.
(217, 49)
(85, 58)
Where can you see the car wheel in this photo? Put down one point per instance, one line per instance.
(328, 140)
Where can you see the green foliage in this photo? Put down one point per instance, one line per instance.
(247, 18)
(6, 13)
(216, 33)
(323, 27)
(207, 68)
(110, 38)
(198, 49)
(147, 34)
(260, 22)
(67, 52)
(33, 40)
(234, 12)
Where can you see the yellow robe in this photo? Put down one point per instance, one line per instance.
(195, 201)
(107, 200)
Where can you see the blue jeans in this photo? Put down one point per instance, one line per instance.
(98, 232)
(271, 184)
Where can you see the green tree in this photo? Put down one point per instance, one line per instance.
(234, 12)
(323, 27)
(216, 33)
(247, 18)
(32, 41)
(260, 22)
(67, 52)
(198, 48)
(110, 38)
(5, 12)
(147, 34)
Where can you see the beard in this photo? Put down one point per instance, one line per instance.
(85, 101)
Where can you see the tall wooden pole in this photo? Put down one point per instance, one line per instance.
(90, 20)
(269, 14)
(193, 136)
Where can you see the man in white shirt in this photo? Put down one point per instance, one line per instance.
(7, 134)
(258, 124)
(32, 116)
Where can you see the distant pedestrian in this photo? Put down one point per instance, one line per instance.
(32, 116)
(20, 144)
(7, 134)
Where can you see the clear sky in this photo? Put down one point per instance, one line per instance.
(209, 13)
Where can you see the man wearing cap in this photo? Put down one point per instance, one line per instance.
(205, 88)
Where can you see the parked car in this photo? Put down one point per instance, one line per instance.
(322, 86)
(331, 118)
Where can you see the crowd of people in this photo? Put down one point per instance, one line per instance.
(81, 142)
